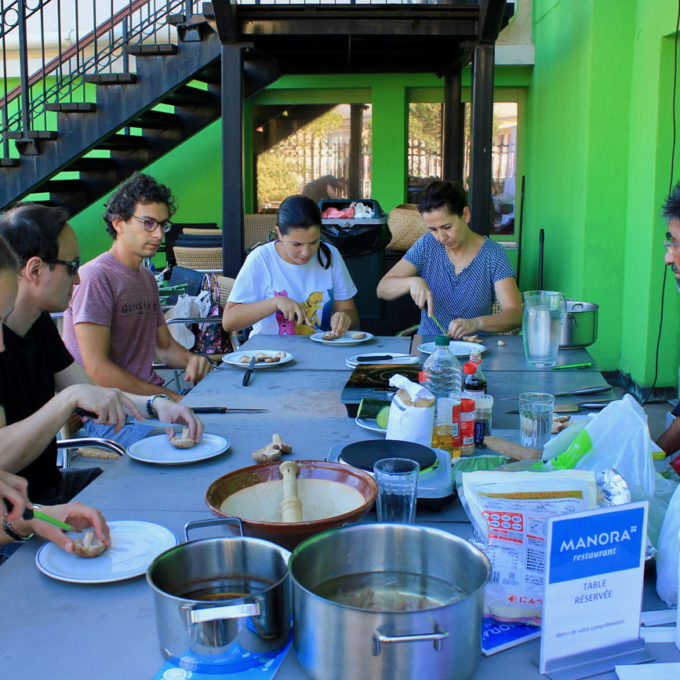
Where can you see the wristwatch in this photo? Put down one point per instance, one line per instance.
(151, 411)
(12, 532)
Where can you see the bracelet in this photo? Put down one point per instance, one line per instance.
(12, 532)
(151, 411)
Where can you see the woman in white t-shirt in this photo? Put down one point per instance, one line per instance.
(296, 285)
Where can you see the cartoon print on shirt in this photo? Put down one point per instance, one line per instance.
(313, 305)
(285, 327)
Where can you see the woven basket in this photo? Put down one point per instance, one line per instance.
(202, 259)
(406, 225)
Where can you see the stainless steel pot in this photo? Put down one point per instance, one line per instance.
(579, 328)
(386, 601)
(221, 602)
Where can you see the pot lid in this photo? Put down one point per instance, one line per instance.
(366, 453)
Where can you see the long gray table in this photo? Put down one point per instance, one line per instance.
(60, 629)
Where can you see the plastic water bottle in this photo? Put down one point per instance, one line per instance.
(441, 375)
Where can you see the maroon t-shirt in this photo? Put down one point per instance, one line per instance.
(126, 300)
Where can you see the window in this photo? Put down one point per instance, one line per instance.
(307, 149)
(425, 161)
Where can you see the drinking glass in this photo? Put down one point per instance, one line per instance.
(397, 480)
(535, 418)
(544, 312)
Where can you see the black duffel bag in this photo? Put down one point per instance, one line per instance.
(355, 236)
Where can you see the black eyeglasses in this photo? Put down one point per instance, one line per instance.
(72, 266)
(151, 225)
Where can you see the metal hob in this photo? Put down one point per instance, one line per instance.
(435, 489)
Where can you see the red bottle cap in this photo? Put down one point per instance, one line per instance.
(467, 405)
(470, 367)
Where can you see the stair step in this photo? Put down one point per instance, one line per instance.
(72, 107)
(157, 120)
(9, 162)
(92, 165)
(32, 134)
(154, 49)
(111, 79)
(63, 186)
(190, 96)
(176, 19)
(211, 75)
(121, 142)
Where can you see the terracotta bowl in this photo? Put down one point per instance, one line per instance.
(289, 534)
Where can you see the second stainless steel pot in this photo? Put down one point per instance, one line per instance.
(401, 618)
(579, 328)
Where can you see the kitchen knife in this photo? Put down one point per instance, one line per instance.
(248, 373)
(574, 408)
(381, 357)
(225, 409)
(579, 390)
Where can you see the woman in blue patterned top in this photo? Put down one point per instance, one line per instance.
(454, 272)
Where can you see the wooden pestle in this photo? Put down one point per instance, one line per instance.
(291, 506)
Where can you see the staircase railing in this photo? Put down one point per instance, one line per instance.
(59, 42)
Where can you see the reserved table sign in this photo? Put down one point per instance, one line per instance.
(593, 591)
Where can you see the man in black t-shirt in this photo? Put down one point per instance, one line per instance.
(35, 363)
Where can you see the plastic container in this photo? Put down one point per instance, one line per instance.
(441, 375)
(467, 426)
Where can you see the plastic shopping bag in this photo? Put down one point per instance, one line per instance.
(411, 412)
(667, 553)
(186, 307)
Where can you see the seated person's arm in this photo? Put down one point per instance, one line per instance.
(95, 342)
(669, 441)
(239, 315)
(22, 442)
(509, 298)
(402, 279)
(345, 316)
(171, 353)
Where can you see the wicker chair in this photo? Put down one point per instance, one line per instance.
(256, 228)
(201, 259)
(187, 231)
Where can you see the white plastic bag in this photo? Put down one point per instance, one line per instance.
(187, 307)
(411, 412)
(667, 553)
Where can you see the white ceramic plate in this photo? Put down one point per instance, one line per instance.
(352, 362)
(233, 359)
(345, 340)
(369, 424)
(459, 347)
(133, 547)
(159, 450)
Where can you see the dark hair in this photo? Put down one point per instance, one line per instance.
(300, 212)
(8, 258)
(671, 208)
(33, 230)
(317, 189)
(439, 193)
(140, 188)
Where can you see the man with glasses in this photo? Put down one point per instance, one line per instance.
(40, 383)
(115, 325)
(669, 441)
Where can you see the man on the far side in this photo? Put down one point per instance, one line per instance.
(669, 441)
(114, 323)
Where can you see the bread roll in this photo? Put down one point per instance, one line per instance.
(89, 545)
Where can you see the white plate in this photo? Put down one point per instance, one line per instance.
(159, 450)
(352, 362)
(459, 347)
(370, 424)
(133, 547)
(233, 358)
(345, 340)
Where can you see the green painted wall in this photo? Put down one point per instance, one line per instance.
(597, 164)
